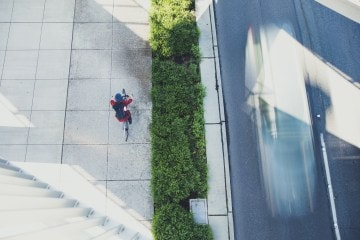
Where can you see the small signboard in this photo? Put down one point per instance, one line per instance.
(198, 208)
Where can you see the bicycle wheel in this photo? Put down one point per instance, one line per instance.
(126, 130)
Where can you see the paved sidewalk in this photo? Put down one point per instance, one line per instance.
(60, 62)
(219, 196)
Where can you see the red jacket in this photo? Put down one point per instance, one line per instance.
(124, 102)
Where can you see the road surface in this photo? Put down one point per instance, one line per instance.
(283, 65)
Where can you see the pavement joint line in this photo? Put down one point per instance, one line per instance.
(39, 110)
(92, 49)
(90, 144)
(99, 78)
(34, 22)
(117, 22)
(120, 180)
(34, 85)
(68, 85)
(80, 22)
(27, 79)
(128, 180)
(7, 41)
(37, 49)
(107, 155)
(106, 49)
(84, 110)
(108, 122)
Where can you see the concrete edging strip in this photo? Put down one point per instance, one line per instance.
(219, 196)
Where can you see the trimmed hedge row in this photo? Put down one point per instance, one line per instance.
(173, 29)
(173, 222)
(179, 169)
(178, 148)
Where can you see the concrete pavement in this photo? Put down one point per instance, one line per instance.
(219, 195)
(60, 62)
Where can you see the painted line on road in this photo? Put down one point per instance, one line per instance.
(330, 189)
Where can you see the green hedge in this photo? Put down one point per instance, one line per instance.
(172, 24)
(173, 222)
(179, 169)
(177, 133)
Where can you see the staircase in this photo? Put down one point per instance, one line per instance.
(31, 209)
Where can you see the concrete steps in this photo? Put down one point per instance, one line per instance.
(10, 217)
(126, 233)
(18, 190)
(73, 230)
(9, 202)
(30, 209)
(21, 181)
(12, 173)
(9, 167)
(112, 232)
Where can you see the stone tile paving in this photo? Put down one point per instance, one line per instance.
(60, 62)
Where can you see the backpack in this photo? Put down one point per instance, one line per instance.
(119, 109)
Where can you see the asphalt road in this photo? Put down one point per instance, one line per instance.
(278, 180)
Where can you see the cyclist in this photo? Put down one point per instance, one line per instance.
(118, 103)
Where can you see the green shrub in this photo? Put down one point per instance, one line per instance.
(177, 115)
(172, 222)
(178, 158)
(198, 151)
(173, 31)
(196, 55)
(176, 89)
(170, 73)
(175, 175)
(187, 5)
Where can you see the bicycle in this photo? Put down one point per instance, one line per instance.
(126, 123)
(119, 104)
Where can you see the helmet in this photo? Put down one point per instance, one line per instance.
(118, 97)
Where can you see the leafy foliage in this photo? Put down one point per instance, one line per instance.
(179, 169)
(173, 222)
(173, 30)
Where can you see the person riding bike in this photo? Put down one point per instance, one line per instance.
(118, 104)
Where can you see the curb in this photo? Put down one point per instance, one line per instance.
(219, 195)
